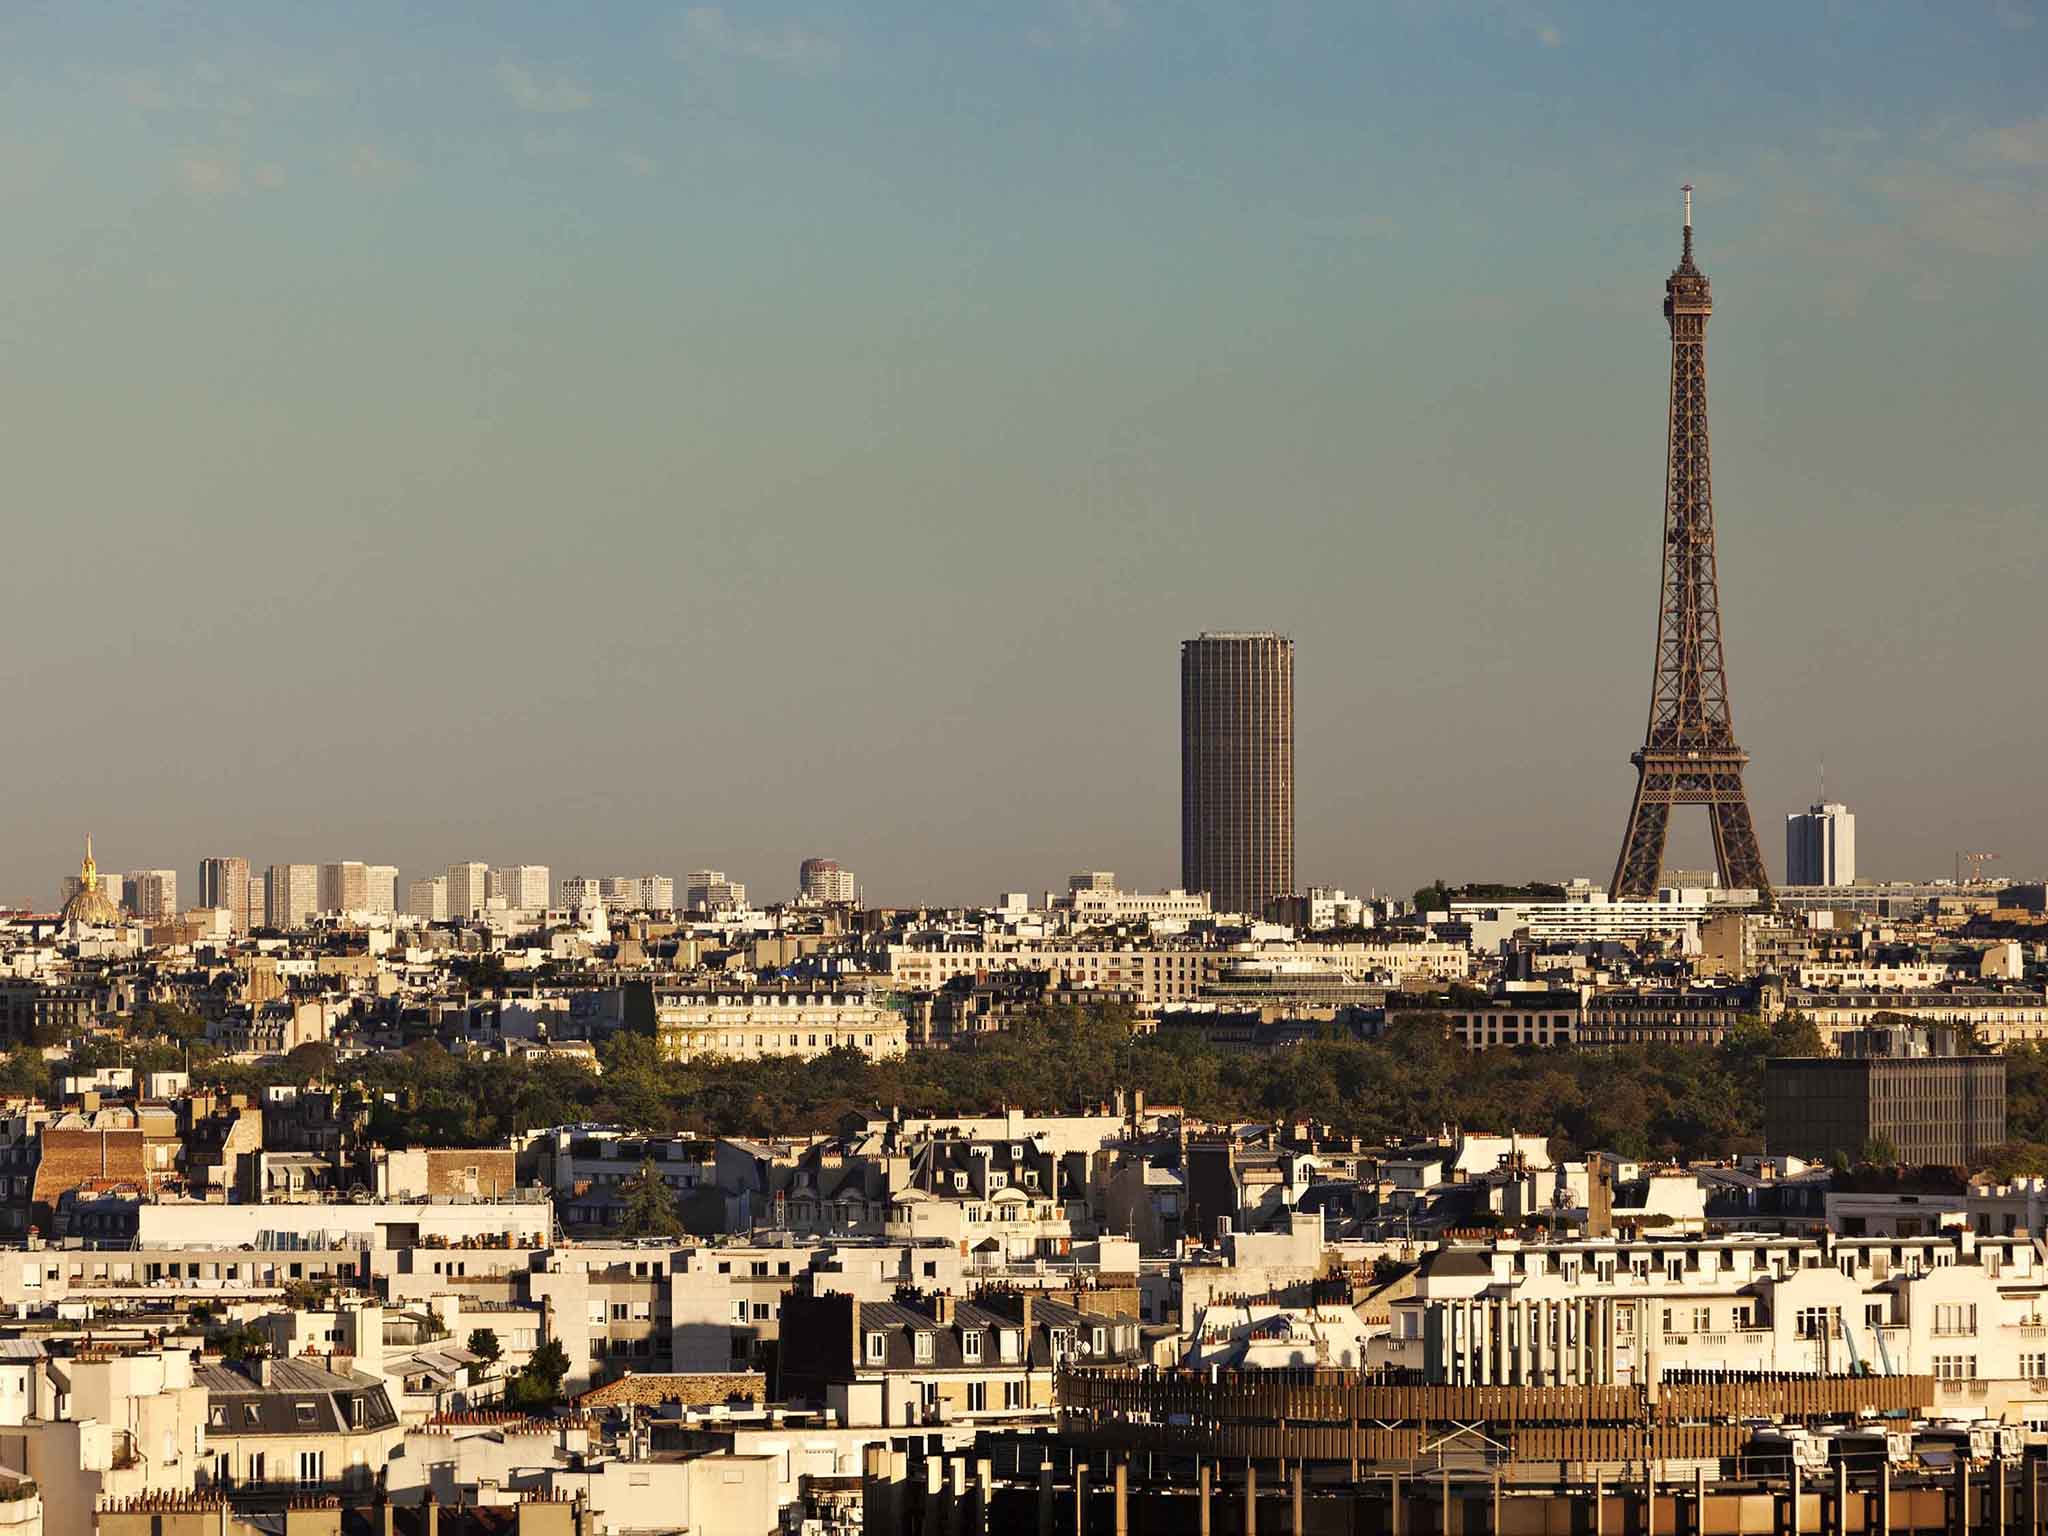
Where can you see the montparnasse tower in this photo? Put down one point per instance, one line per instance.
(90, 906)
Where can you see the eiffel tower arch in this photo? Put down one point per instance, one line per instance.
(1689, 755)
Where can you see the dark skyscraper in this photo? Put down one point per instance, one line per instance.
(1237, 769)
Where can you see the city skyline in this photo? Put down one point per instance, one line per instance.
(335, 357)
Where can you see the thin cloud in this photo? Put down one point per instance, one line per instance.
(1080, 22)
(209, 179)
(708, 31)
(639, 164)
(530, 93)
(1978, 217)
(2016, 144)
(368, 162)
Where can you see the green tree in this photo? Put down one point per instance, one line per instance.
(539, 1383)
(483, 1343)
(1880, 1151)
(650, 1209)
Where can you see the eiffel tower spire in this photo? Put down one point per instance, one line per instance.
(1689, 755)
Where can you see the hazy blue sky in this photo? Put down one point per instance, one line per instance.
(632, 437)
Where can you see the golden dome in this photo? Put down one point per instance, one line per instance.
(89, 904)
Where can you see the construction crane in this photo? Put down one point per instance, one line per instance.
(1976, 861)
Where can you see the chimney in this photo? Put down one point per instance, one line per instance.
(1024, 1315)
(433, 1514)
(942, 1308)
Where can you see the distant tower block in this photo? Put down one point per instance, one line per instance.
(1237, 769)
(1689, 755)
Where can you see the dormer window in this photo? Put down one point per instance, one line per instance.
(959, 1180)
(921, 1348)
(877, 1349)
(970, 1345)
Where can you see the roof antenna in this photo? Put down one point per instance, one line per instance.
(1687, 190)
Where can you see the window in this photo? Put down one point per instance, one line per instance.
(1013, 1394)
(1955, 1367)
(970, 1344)
(312, 1468)
(1955, 1317)
(977, 1397)
(1815, 1322)
(762, 1311)
(921, 1348)
(876, 1349)
(2034, 1364)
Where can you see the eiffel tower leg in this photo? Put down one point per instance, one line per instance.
(1736, 853)
(1642, 844)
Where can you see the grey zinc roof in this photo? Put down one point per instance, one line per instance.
(240, 1405)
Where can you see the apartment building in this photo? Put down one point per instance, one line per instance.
(151, 893)
(469, 890)
(765, 1021)
(224, 884)
(1997, 1015)
(345, 886)
(102, 1422)
(522, 887)
(938, 1360)
(427, 899)
(291, 1427)
(291, 895)
(1965, 1309)
(708, 890)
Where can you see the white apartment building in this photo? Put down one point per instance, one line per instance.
(1820, 846)
(1096, 904)
(1999, 1016)
(427, 899)
(823, 881)
(469, 890)
(291, 895)
(345, 887)
(224, 884)
(150, 892)
(1837, 976)
(1166, 974)
(1596, 919)
(1965, 1309)
(522, 887)
(707, 890)
(640, 893)
(743, 1025)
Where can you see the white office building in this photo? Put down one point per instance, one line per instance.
(1820, 846)
(381, 889)
(469, 890)
(640, 893)
(291, 895)
(522, 887)
(150, 892)
(707, 890)
(427, 899)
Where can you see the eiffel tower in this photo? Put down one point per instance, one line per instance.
(1689, 755)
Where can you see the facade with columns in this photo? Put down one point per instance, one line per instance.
(1965, 1309)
